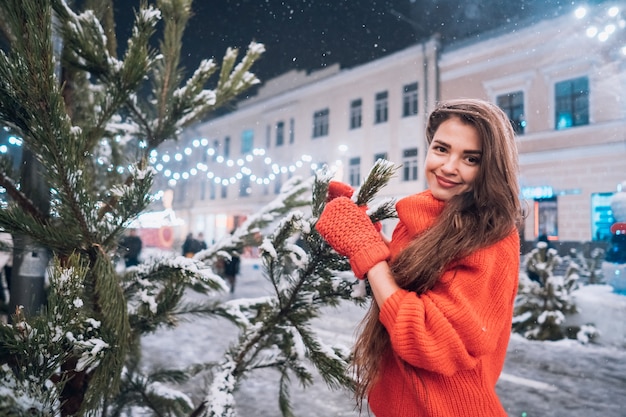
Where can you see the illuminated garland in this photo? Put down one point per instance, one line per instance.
(242, 165)
(160, 162)
(604, 27)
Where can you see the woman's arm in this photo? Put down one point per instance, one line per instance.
(382, 282)
(451, 326)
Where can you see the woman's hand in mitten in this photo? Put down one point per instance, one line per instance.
(338, 189)
(341, 189)
(349, 230)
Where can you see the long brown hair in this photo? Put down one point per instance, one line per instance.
(469, 221)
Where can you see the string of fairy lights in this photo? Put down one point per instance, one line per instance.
(246, 166)
(602, 26)
(256, 166)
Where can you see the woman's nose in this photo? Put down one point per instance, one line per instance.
(450, 165)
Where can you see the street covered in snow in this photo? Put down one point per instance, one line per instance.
(547, 379)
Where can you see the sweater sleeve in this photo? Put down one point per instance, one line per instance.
(450, 327)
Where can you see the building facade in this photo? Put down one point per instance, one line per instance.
(228, 168)
(562, 88)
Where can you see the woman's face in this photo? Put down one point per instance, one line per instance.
(453, 159)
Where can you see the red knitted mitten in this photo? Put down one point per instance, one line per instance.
(338, 189)
(377, 225)
(341, 189)
(348, 229)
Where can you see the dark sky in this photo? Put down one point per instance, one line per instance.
(301, 34)
(310, 34)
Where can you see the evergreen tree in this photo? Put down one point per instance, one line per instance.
(84, 113)
(589, 269)
(544, 297)
(80, 114)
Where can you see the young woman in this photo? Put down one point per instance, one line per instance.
(434, 340)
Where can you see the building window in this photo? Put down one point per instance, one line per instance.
(356, 118)
(227, 147)
(513, 105)
(382, 155)
(280, 133)
(268, 136)
(212, 190)
(355, 172)
(292, 130)
(278, 183)
(320, 123)
(601, 216)
(382, 107)
(216, 146)
(409, 164)
(546, 218)
(213, 186)
(181, 191)
(205, 158)
(244, 186)
(409, 100)
(571, 103)
(224, 193)
(247, 141)
(202, 190)
(266, 184)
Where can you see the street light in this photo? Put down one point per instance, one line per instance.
(602, 26)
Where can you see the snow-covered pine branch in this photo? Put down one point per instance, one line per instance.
(306, 275)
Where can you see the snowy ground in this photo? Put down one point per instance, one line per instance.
(542, 379)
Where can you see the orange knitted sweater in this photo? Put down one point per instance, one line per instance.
(448, 344)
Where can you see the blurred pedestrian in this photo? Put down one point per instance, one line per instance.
(191, 246)
(201, 242)
(132, 245)
(6, 266)
(231, 270)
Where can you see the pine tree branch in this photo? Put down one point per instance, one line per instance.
(284, 400)
(231, 85)
(154, 292)
(379, 176)
(104, 11)
(176, 18)
(299, 293)
(93, 332)
(35, 96)
(86, 50)
(20, 199)
(5, 30)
